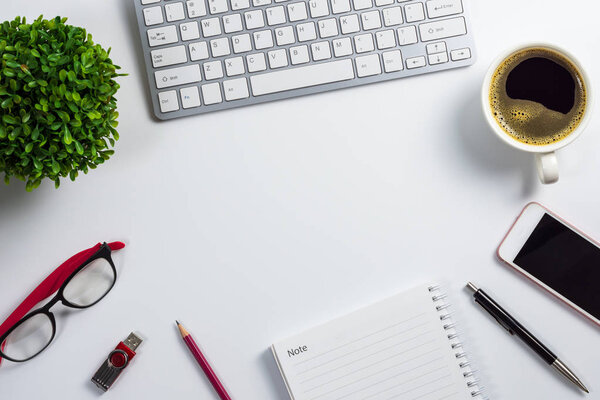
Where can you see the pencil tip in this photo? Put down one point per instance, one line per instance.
(177, 322)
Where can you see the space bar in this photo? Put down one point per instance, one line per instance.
(302, 77)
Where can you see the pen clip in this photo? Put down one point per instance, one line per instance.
(502, 324)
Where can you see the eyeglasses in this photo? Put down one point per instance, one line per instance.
(80, 282)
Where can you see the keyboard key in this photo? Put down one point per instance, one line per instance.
(342, 47)
(263, 40)
(328, 28)
(415, 62)
(284, 35)
(442, 8)
(362, 4)
(241, 43)
(177, 76)
(234, 66)
(320, 51)
(363, 43)
(189, 31)
(240, 4)
(161, 36)
(232, 23)
(190, 97)
(349, 24)
(174, 12)
(301, 77)
(144, 2)
(297, 11)
(407, 35)
(258, 3)
(380, 3)
(153, 16)
(168, 101)
(254, 19)
(220, 47)
(196, 8)
(168, 56)
(211, 27)
(392, 61)
(438, 47)
(414, 12)
(392, 16)
(340, 6)
(275, 15)
(256, 62)
(198, 51)
(213, 70)
(236, 89)
(217, 6)
(306, 31)
(277, 58)
(368, 65)
(371, 20)
(385, 39)
(299, 55)
(460, 54)
(211, 93)
(443, 29)
(318, 8)
(438, 58)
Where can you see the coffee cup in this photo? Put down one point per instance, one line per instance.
(532, 115)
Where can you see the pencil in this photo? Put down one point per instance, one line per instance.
(208, 371)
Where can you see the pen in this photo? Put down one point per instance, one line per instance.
(515, 328)
(208, 371)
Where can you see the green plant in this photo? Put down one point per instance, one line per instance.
(57, 104)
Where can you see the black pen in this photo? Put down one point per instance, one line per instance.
(515, 328)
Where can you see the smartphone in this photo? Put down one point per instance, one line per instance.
(556, 256)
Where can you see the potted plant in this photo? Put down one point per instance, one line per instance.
(57, 105)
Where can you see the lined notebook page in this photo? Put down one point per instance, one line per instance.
(394, 349)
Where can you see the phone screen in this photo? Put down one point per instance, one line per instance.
(565, 261)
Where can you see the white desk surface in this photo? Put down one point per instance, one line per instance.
(253, 224)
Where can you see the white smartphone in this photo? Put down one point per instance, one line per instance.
(556, 256)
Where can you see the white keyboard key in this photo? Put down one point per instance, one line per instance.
(275, 15)
(168, 56)
(349, 24)
(442, 8)
(236, 89)
(241, 43)
(328, 28)
(460, 54)
(277, 58)
(198, 51)
(217, 6)
(211, 27)
(297, 11)
(211, 93)
(306, 31)
(263, 40)
(371, 20)
(153, 16)
(385, 39)
(342, 47)
(168, 101)
(177, 76)
(318, 8)
(414, 12)
(362, 4)
(145, 2)
(368, 65)
(254, 19)
(189, 31)
(415, 62)
(163, 35)
(392, 16)
(301, 77)
(196, 8)
(443, 29)
(407, 35)
(240, 4)
(439, 58)
(234, 66)
(258, 3)
(284, 35)
(438, 47)
(392, 61)
(232, 23)
(363, 43)
(299, 55)
(213, 70)
(256, 62)
(340, 6)
(380, 3)
(190, 97)
(320, 51)
(174, 12)
(220, 47)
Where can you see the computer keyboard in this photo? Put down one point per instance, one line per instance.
(208, 55)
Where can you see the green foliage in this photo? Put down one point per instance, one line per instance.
(57, 105)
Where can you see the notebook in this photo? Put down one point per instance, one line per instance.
(404, 347)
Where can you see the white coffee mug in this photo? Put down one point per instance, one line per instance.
(545, 155)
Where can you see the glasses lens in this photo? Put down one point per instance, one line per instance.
(29, 338)
(90, 284)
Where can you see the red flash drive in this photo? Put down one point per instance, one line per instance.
(117, 361)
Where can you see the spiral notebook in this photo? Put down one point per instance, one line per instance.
(404, 347)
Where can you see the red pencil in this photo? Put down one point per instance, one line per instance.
(208, 371)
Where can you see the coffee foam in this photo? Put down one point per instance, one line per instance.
(528, 121)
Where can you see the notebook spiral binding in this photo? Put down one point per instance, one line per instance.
(446, 318)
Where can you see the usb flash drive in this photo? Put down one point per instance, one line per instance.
(116, 362)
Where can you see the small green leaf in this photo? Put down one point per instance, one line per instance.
(55, 167)
(67, 138)
(62, 75)
(29, 147)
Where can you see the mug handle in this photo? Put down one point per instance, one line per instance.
(547, 166)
